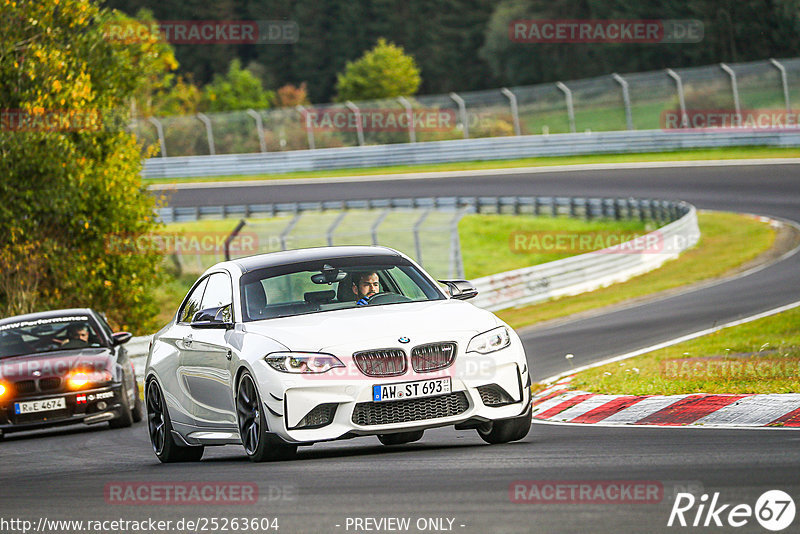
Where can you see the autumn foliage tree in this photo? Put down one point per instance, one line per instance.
(383, 72)
(70, 181)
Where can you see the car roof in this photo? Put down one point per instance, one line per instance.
(48, 315)
(252, 263)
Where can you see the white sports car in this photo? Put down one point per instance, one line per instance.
(290, 348)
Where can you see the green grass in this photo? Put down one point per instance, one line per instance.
(758, 357)
(683, 155)
(727, 241)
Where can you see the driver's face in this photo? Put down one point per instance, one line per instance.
(367, 286)
(83, 335)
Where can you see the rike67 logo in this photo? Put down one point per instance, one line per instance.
(774, 510)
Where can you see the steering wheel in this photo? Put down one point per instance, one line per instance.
(387, 297)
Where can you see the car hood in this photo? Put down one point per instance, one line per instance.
(314, 332)
(56, 363)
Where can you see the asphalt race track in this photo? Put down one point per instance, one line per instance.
(452, 477)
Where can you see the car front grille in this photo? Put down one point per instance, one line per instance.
(381, 362)
(39, 417)
(494, 395)
(318, 417)
(24, 386)
(49, 384)
(384, 413)
(433, 356)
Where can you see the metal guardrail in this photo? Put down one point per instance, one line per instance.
(590, 271)
(492, 148)
(587, 208)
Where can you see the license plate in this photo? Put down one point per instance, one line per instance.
(411, 390)
(39, 405)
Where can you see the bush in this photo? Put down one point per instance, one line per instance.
(71, 179)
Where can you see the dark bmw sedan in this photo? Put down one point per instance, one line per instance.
(62, 367)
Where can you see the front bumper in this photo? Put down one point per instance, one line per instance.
(86, 406)
(304, 409)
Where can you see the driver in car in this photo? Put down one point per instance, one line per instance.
(77, 337)
(365, 285)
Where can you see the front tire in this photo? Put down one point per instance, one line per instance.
(138, 409)
(160, 429)
(506, 430)
(258, 444)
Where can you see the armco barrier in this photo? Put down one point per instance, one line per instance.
(569, 276)
(493, 148)
(586, 272)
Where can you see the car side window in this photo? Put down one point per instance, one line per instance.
(219, 294)
(193, 302)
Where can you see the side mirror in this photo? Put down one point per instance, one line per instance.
(460, 289)
(119, 338)
(219, 317)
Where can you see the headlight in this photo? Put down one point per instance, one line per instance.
(495, 339)
(2, 390)
(302, 362)
(81, 379)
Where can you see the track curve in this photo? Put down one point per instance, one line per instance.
(452, 474)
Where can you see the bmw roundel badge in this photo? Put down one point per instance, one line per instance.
(404, 339)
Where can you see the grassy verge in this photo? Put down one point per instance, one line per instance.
(727, 241)
(683, 155)
(485, 245)
(758, 357)
(488, 241)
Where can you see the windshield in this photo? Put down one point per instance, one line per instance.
(44, 335)
(322, 286)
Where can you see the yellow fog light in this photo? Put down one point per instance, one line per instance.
(77, 380)
(80, 379)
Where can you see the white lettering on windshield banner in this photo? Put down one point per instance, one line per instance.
(37, 322)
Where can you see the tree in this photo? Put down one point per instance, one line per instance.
(383, 72)
(238, 89)
(71, 179)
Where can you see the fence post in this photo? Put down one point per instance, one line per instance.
(160, 132)
(570, 107)
(259, 129)
(359, 127)
(412, 134)
(626, 98)
(456, 259)
(681, 100)
(209, 132)
(462, 110)
(417, 241)
(784, 83)
(735, 90)
(376, 224)
(332, 227)
(512, 100)
(288, 229)
(309, 130)
(231, 237)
